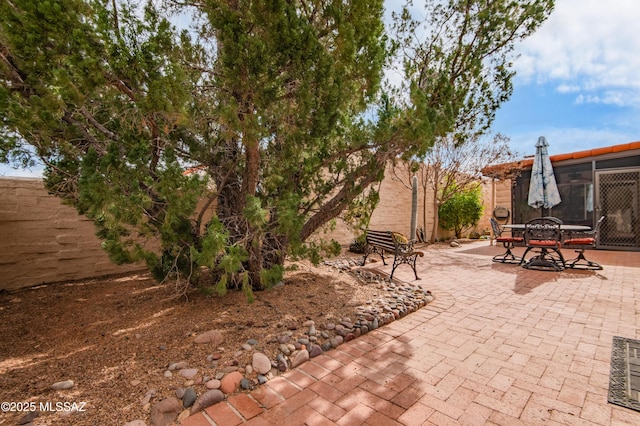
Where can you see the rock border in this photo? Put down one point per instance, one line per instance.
(295, 346)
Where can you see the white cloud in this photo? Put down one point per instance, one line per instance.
(587, 44)
(566, 88)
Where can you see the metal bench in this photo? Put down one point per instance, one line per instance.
(391, 242)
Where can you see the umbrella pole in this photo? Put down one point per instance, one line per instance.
(544, 187)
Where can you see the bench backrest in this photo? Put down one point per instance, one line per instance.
(382, 239)
(389, 241)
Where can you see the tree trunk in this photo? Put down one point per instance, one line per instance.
(249, 186)
(274, 250)
(232, 199)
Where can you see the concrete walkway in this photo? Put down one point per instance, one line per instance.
(500, 345)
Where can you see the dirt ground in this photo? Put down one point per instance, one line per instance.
(115, 338)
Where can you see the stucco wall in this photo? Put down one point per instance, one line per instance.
(43, 240)
(497, 193)
(393, 212)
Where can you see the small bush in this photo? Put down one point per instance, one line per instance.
(461, 211)
(358, 244)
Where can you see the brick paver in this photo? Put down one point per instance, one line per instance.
(198, 419)
(500, 345)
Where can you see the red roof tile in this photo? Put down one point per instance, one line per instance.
(528, 162)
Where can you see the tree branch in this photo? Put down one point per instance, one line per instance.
(358, 180)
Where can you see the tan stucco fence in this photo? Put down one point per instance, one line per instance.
(44, 241)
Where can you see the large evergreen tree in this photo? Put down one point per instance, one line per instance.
(265, 98)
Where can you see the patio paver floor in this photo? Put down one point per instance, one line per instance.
(500, 345)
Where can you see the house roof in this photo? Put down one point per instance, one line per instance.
(506, 169)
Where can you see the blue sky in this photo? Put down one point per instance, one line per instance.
(578, 79)
(577, 82)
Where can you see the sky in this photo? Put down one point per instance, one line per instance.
(577, 81)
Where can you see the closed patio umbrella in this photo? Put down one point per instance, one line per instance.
(543, 190)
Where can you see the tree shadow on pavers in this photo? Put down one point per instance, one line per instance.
(528, 279)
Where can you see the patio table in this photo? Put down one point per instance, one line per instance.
(520, 226)
(544, 259)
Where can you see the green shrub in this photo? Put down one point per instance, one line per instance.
(461, 211)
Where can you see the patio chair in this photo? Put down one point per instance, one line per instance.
(544, 236)
(582, 241)
(508, 242)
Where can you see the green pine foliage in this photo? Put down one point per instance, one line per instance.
(223, 147)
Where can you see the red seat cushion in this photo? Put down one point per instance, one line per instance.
(509, 239)
(587, 241)
(544, 243)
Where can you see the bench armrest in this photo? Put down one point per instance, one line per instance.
(406, 248)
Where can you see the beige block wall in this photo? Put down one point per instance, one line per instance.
(497, 193)
(44, 241)
(394, 210)
(392, 213)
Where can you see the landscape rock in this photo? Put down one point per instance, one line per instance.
(213, 384)
(147, 396)
(301, 357)
(178, 365)
(341, 330)
(28, 418)
(207, 399)
(64, 385)
(282, 365)
(284, 349)
(189, 397)
(261, 363)
(188, 373)
(230, 382)
(213, 337)
(314, 351)
(165, 411)
(245, 384)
